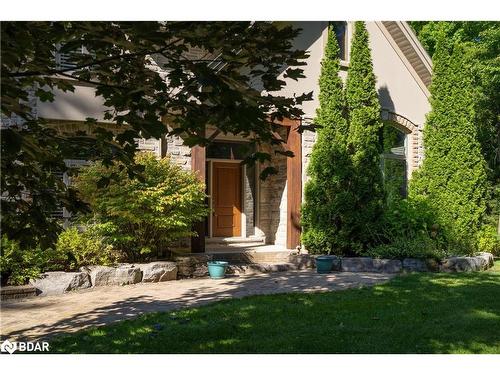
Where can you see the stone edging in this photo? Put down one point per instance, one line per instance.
(53, 283)
(17, 292)
(480, 262)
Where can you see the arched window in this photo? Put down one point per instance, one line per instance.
(394, 144)
(340, 28)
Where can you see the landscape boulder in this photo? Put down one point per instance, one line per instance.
(488, 259)
(121, 275)
(415, 265)
(361, 264)
(53, 283)
(387, 265)
(158, 271)
(480, 262)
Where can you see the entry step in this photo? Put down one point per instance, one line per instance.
(235, 240)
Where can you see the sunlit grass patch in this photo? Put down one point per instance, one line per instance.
(416, 313)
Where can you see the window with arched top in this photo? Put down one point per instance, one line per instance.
(340, 28)
(394, 160)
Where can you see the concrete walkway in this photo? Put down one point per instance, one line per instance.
(42, 317)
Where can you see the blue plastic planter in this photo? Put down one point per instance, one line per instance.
(217, 269)
(324, 264)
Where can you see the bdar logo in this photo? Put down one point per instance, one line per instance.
(8, 346)
(24, 346)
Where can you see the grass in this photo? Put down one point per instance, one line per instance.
(417, 313)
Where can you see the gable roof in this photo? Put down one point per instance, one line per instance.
(410, 50)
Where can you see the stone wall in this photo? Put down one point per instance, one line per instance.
(59, 282)
(249, 196)
(179, 153)
(308, 140)
(14, 120)
(152, 145)
(273, 199)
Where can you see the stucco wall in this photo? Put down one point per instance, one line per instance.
(73, 106)
(398, 90)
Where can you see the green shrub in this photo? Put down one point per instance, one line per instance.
(75, 248)
(488, 240)
(452, 179)
(18, 265)
(143, 215)
(407, 219)
(326, 197)
(421, 247)
(343, 197)
(409, 230)
(363, 146)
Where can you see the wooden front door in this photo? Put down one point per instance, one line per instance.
(226, 201)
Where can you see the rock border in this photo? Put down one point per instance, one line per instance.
(60, 282)
(55, 283)
(480, 262)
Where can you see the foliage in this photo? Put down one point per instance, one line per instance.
(143, 216)
(75, 248)
(18, 265)
(393, 169)
(409, 229)
(421, 247)
(344, 195)
(488, 240)
(363, 139)
(449, 313)
(452, 179)
(481, 39)
(326, 196)
(123, 64)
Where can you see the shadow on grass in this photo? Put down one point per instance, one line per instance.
(419, 313)
(148, 298)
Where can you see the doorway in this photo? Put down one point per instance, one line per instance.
(226, 199)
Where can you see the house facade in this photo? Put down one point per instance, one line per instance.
(247, 208)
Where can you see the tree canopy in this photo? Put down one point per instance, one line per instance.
(146, 77)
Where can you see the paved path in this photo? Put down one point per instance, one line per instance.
(42, 317)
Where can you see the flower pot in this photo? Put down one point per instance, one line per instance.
(324, 263)
(217, 269)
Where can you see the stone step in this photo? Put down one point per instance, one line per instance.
(17, 292)
(235, 240)
(195, 265)
(231, 247)
(257, 268)
(252, 256)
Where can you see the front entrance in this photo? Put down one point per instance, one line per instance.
(226, 199)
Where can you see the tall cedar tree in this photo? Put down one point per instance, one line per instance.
(327, 198)
(363, 141)
(452, 179)
(483, 40)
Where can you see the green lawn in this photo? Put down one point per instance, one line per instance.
(418, 313)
